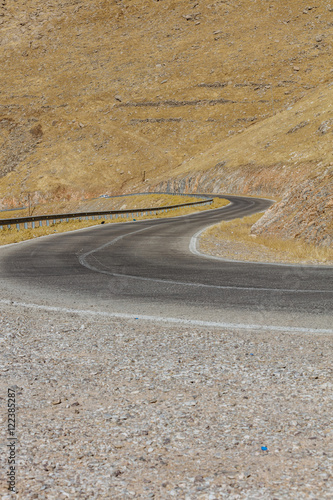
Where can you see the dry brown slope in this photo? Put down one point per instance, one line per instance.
(94, 93)
(288, 155)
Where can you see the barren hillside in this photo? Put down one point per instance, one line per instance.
(109, 97)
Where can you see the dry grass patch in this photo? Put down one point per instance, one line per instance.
(233, 240)
(12, 235)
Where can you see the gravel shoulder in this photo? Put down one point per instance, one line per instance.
(219, 241)
(111, 408)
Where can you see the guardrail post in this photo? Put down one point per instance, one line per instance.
(54, 222)
(1, 227)
(47, 222)
(33, 224)
(40, 223)
(18, 227)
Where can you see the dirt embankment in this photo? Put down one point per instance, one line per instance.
(305, 212)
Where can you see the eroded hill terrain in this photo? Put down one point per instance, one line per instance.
(109, 97)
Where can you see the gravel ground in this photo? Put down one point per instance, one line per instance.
(131, 409)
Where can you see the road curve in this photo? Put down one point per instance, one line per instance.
(146, 268)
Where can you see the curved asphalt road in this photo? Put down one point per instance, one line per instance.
(146, 268)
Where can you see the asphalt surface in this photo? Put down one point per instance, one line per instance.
(146, 268)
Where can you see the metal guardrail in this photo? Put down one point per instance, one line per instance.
(86, 215)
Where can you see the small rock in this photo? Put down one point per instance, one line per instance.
(325, 126)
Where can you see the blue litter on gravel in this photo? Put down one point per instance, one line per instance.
(264, 448)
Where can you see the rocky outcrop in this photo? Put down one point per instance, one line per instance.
(271, 181)
(305, 212)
